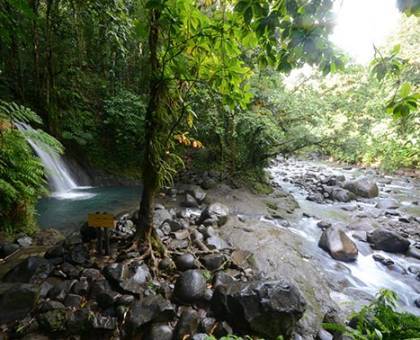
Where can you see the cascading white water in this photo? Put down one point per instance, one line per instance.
(366, 275)
(59, 177)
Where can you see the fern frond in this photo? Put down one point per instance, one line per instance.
(18, 113)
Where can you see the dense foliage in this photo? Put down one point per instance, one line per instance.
(346, 118)
(202, 83)
(363, 114)
(70, 60)
(75, 63)
(366, 115)
(380, 321)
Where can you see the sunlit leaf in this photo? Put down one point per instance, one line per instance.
(405, 89)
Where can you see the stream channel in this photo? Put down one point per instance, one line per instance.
(359, 280)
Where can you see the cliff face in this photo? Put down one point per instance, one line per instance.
(87, 174)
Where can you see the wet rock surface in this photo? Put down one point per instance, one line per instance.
(338, 244)
(152, 308)
(215, 213)
(190, 287)
(363, 187)
(130, 276)
(388, 240)
(17, 300)
(34, 269)
(268, 308)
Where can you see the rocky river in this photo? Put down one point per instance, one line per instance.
(371, 219)
(379, 218)
(318, 247)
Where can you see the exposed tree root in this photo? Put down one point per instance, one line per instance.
(151, 248)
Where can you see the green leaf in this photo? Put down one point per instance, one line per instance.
(248, 15)
(378, 333)
(405, 89)
(140, 29)
(249, 40)
(155, 4)
(241, 6)
(396, 49)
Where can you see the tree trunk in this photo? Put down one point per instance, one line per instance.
(49, 68)
(150, 173)
(36, 56)
(13, 60)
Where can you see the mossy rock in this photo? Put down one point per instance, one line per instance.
(53, 321)
(271, 205)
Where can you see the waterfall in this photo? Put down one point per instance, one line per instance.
(58, 174)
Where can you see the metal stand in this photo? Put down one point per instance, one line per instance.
(103, 245)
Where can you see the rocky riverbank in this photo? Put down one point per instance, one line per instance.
(239, 263)
(206, 286)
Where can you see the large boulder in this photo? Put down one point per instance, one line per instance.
(283, 259)
(186, 261)
(160, 216)
(387, 203)
(338, 244)
(160, 331)
(342, 195)
(216, 212)
(187, 325)
(267, 308)
(48, 237)
(17, 300)
(130, 276)
(388, 240)
(153, 308)
(33, 269)
(363, 187)
(190, 287)
(196, 192)
(189, 202)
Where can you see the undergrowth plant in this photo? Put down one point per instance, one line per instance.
(380, 321)
(236, 337)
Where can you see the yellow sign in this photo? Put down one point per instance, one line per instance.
(101, 220)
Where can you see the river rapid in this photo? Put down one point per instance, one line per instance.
(355, 283)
